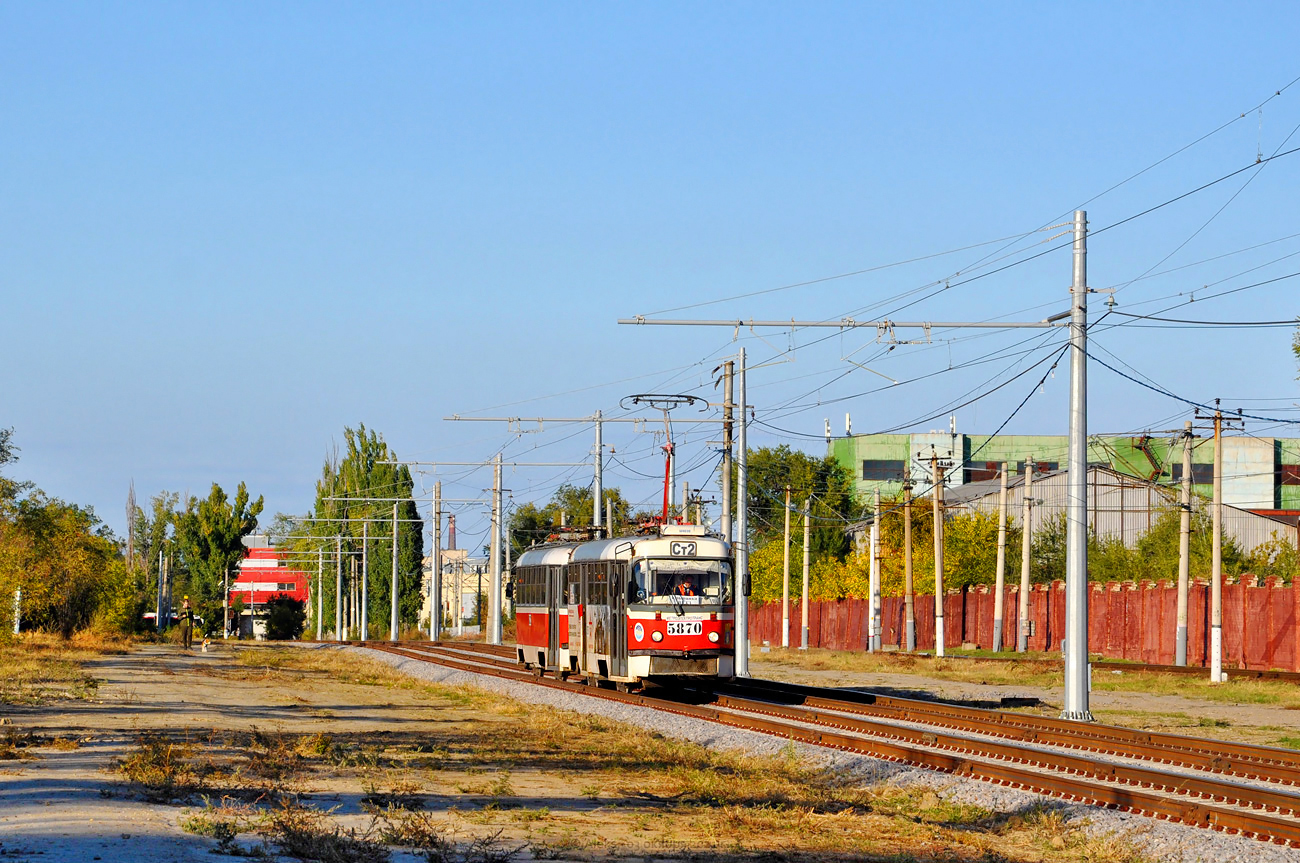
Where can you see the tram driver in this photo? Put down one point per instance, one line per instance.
(686, 586)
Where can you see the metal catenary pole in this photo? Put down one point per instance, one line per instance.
(1000, 578)
(875, 628)
(1216, 561)
(1184, 546)
(785, 576)
(1078, 670)
(338, 588)
(435, 569)
(494, 600)
(909, 595)
(728, 376)
(1022, 634)
(392, 624)
(598, 490)
(225, 603)
(936, 469)
(742, 525)
(807, 530)
(365, 580)
(320, 594)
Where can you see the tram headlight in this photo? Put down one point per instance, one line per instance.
(656, 636)
(714, 637)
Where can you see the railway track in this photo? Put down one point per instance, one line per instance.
(1130, 667)
(1236, 788)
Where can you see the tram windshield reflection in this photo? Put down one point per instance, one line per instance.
(665, 581)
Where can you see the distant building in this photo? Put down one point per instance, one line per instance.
(462, 576)
(262, 576)
(1259, 474)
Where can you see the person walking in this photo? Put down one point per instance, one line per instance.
(187, 623)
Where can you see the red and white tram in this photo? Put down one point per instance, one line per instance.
(627, 609)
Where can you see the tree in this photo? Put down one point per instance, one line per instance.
(829, 484)
(209, 534)
(361, 488)
(530, 524)
(286, 618)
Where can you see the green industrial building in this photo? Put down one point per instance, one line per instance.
(1259, 474)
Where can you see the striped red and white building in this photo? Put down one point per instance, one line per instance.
(263, 576)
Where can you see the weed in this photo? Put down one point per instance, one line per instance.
(400, 795)
(415, 830)
(308, 834)
(491, 849)
(159, 768)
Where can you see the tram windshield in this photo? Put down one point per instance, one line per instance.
(677, 582)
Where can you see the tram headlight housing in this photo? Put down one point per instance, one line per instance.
(656, 636)
(714, 637)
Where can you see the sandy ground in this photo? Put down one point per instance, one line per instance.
(69, 806)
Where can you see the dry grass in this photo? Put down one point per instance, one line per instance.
(42, 669)
(583, 787)
(1031, 673)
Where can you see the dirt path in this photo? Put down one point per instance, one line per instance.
(65, 805)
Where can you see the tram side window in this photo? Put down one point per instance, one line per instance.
(598, 586)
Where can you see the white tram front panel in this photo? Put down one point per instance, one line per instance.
(652, 606)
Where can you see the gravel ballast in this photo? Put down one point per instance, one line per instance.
(1161, 840)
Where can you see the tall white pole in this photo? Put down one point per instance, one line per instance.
(742, 525)
(785, 576)
(909, 593)
(1216, 564)
(875, 626)
(725, 522)
(598, 484)
(1000, 583)
(937, 472)
(392, 623)
(807, 545)
(494, 598)
(435, 574)
(338, 588)
(320, 594)
(1078, 671)
(1184, 547)
(1026, 547)
(365, 580)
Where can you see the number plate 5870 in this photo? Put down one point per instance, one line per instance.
(685, 627)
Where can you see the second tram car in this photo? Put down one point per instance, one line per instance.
(627, 609)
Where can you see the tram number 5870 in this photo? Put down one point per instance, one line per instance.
(682, 549)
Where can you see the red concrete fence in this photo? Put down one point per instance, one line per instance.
(1126, 620)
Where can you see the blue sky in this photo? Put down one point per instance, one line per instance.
(229, 230)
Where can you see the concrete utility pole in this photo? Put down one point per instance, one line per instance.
(158, 604)
(365, 580)
(1078, 670)
(1216, 561)
(909, 595)
(1000, 585)
(807, 530)
(598, 481)
(609, 516)
(494, 600)
(1184, 546)
(728, 373)
(320, 594)
(392, 625)
(338, 588)
(742, 526)
(1026, 546)
(435, 574)
(936, 470)
(225, 602)
(875, 628)
(785, 577)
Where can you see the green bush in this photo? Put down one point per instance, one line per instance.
(285, 618)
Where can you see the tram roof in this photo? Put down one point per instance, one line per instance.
(557, 554)
(627, 547)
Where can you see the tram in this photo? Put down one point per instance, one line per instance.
(628, 609)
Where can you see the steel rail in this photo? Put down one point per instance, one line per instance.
(1136, 789)
(1138, 667)
(1245, 760)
